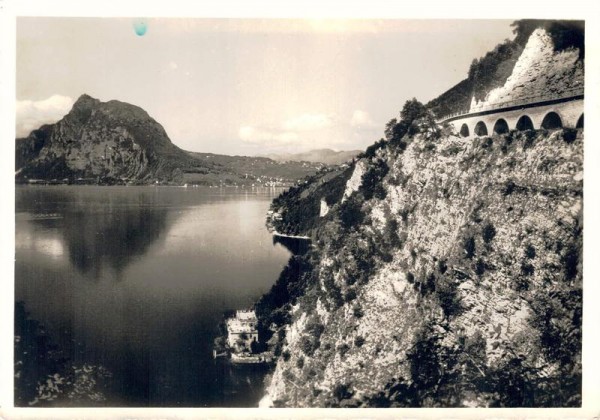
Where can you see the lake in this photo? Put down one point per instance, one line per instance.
(136, 279)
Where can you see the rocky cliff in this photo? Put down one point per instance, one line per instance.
(552, 65)
(116, 142)
(457, 283)
(445, 272)
(540, 72)
(102, 140)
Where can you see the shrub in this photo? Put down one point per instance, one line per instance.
(448, 297)
(442, 266)
(433, 367)
(469, 247)
(350, 295)
(527, 269)
(410, 277)
(285, 355)
(569, 135)
(351, 214)
(404, 215)
(530, 252)
(315, 329)
(372, 149)
(509, 187)
(530, 136)
(307, 346)
(429, 147)
(343, 349)
(430, 284)
(570, 261)
(391, 233)
(357, 311)
(488, 233)
(371, 185)
(359, 341)
(342, 392)
(520, 284)
(300, 362)
(386, 257)
(480, 267)
(401, 146)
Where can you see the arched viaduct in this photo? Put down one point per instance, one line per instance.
(549, 114)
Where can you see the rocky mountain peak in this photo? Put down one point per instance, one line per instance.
(82, 108)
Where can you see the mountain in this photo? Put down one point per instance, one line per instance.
(444, 271)
(326, 156)
(116, 142)
(109, 140)
(493, 69)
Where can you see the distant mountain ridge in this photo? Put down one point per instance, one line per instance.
(326, 156)
(116, 142)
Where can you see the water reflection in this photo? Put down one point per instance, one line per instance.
(114, 239)
(294, 245)
(184, 257)
(97, 230)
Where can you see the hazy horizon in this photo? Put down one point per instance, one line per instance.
(247, 86)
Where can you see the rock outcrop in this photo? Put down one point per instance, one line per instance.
(540, 72)
(109, 140)
(447, 271)
(466, 270)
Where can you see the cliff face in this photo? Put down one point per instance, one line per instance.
(450, 276)
(545, 58)
(540, 72)
(445, 271)
(101, 139)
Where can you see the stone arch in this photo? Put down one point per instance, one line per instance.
(501, 126)
(464, 130)
(524, 123)
(580, 122)
(552, 121)
(481, 129)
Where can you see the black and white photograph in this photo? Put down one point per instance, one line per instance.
(221, 212)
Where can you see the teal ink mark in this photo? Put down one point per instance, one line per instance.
(140, 26)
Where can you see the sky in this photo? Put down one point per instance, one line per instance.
(247, 86)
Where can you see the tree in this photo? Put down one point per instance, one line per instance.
(412, 110)
(351, 213)
(389, 128)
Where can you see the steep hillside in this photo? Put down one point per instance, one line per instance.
(447, 273)
(494, 69)
(108, 140)
(539, 72)
(444, 271)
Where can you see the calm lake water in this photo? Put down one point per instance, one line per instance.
(137, 278)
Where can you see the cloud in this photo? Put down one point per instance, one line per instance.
(173, 65)
(33, 114)
(265, 137)
(288, 133)
(308, 122)
(362, 119)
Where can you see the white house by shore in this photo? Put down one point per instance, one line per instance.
(242, 330)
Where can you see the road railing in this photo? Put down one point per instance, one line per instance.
(568, 93)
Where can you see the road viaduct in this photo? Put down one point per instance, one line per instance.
(547, 112)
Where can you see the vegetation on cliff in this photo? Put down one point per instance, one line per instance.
(448, 275)
(493, 69)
